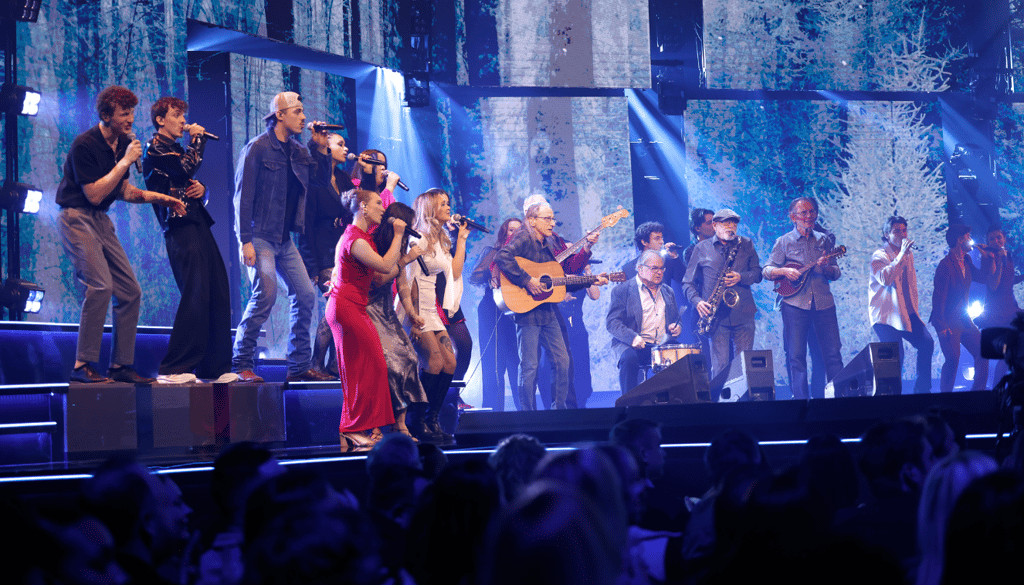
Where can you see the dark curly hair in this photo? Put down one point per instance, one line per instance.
(164, 105)
(644, 231)
(113, 96)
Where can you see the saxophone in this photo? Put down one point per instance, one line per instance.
(721, 294)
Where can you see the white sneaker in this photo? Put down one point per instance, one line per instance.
(175, 378)
(227, 378)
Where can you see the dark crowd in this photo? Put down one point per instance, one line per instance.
(905, 504)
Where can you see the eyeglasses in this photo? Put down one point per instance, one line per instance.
(549, 218)
(654, 268)
(805, 213)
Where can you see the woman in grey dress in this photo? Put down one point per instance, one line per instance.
(399, 353)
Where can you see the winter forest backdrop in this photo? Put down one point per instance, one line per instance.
(858, 103)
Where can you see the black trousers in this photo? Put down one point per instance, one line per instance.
(201, 337)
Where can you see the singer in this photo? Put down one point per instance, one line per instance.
(326, 219)
(399, 352)
(361, 363)
(201, 338)
(271, 182)
(428, 332)
(371, 176)
(96, 174)
(892, 299)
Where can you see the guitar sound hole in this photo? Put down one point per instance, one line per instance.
(545, 282)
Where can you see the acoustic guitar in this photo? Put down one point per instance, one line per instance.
(787, 288)
(516, 299)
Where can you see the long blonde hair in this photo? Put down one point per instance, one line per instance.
(426, 206)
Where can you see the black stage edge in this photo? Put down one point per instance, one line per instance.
(784, 420)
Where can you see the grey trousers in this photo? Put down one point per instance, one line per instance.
(729, 340)
(102, 266)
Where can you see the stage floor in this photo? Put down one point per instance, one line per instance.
(62, 430)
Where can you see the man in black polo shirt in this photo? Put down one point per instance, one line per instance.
(96, 174)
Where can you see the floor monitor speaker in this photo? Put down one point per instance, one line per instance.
(876, 370)
(683, 382)
(751, 376)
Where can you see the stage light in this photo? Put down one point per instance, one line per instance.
(21, 10)
(17, 99)
(20, 197)
(22, 295)
(975, 309)
(417, 89)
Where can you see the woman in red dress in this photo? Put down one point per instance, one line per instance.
(363, 372)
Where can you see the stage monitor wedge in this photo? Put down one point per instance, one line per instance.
(683, 382)
(751, 376)
(875, 371)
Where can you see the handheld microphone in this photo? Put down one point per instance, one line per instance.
(138, 161)
(188, 128)
(322, 127)
(400, 183)
(414, 233)
(469, 222)
(369, 161)
(408, 229)
(351, 156)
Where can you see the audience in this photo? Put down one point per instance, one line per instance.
(514, 460)
(943, 486)
(928, 512)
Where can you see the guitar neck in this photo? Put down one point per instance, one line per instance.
(828, 256)
(574, 279)
(576, 247)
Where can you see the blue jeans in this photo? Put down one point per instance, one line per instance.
(795, 324)
(530, 337)
(273, 260)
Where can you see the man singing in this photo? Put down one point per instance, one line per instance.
(539, 326)
(813, 303)
(95, 174)
(650, 235)
(892, 299)
(201, 337)
(732, 327)
(641, 314)
(271, 181)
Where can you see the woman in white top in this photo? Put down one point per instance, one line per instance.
(428, 332)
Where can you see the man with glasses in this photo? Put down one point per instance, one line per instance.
(642, 313)
(813, 304)
(732, 329)
(536, 242)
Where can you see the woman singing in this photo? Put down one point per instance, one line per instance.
(361, 365)
(953, 279)
(399, 353)
(326, 219)
(370, 172)
(428, 331)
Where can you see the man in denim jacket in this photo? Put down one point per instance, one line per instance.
(271, 181)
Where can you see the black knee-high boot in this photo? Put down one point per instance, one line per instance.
(426, 428)
(437, 401)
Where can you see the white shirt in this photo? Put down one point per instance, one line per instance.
(653, 304)
(892, 289)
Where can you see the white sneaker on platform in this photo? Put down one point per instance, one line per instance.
(175, 378)
(227, 378)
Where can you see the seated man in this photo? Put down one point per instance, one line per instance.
(642, 313)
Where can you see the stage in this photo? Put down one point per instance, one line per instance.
(53, 433)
